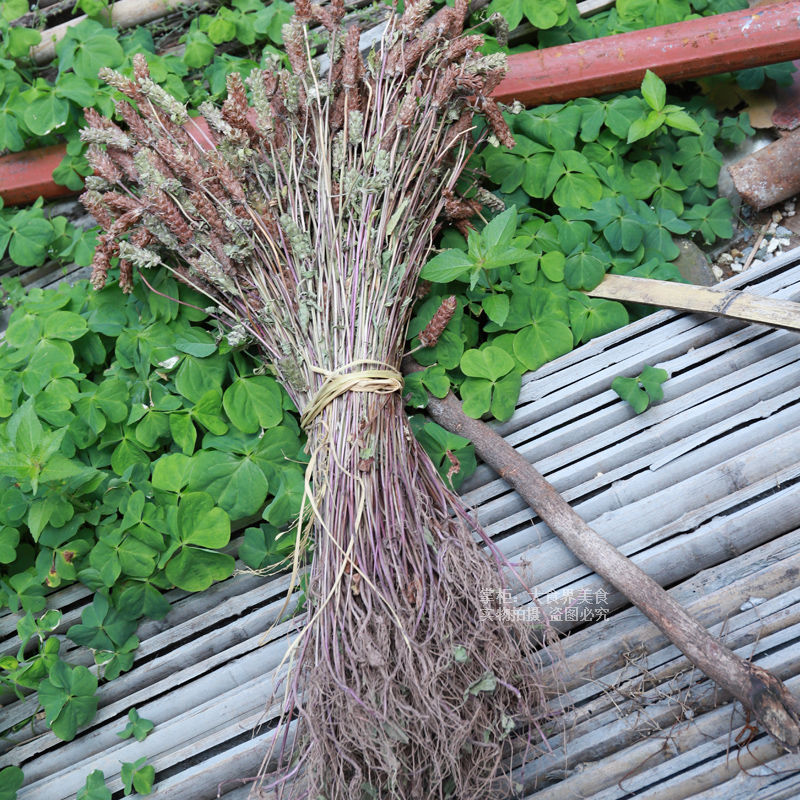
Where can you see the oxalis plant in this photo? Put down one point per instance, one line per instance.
(306, 220)
(131, 436)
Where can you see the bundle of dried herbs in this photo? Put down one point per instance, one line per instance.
(306, 218)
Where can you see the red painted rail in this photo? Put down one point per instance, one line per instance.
(706, 46)
(692, 49)
(27, 175)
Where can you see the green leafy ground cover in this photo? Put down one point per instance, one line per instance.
(592, 186)
(131, 436)
(132, 433)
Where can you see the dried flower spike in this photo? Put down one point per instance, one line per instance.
(434, 329)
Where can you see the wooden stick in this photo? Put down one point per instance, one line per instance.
(759, 691)
(753, 252)
(686, 297)
(124, 14)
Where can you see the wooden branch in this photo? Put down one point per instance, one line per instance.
(30, 19)
(686, 297)
(759, 691)
(124, 14)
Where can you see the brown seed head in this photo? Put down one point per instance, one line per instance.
(337, 11)
(322, 15)
(235, 107)
(100, 266)
(496, 122)
(125, 275)
(103, 166)
(92, 203)
(303, 10)
(434, 329)
(352, 63)
(295, 44)
(140, 69)
(136, 125)
(167, 212)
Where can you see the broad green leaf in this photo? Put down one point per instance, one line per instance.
(183, 432)
(153, 426)
(286, 505)
(88, 48)
(583, 271)
(238, 485)
(199, 50)
(12, 778)
(141, 598)
(651, 379)
(10, 11)
(640, 128)
(505, 395)
(491, 363)
(654, 91)
(194, 570)
(197, 377)
(25, 429)
(682, 121)
(95, 787)
(200, 523)
(9, 539)
(20, 40)
(476, 395)
(208, 412)
(541, 342)
(126, 454)
(68, 699)
(46, 113)
(630, 390)
(447, 266)
(552, 265)
(137, 727)
(496, 307)
(265, 546)
(253, 403)
(500, 230)
(29, 235)
(65, 325)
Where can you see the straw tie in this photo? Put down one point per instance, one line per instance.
(378, 381)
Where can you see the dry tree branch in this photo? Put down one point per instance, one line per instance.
(759, 691)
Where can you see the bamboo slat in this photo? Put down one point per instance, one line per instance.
(702, 491)
(702, 299)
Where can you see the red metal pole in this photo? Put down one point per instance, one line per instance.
(699, 47)
(27, 175)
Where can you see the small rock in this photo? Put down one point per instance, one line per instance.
(746, 252)
(737, 266)
(718, 273)
(747, 233)
(726, 258)
(777, 216)
(735, 253)
(693, 264)
(756, 263)
(781, 231)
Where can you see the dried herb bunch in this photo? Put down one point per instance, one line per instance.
(306, 218)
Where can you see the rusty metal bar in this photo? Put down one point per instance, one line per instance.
(699, 47)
